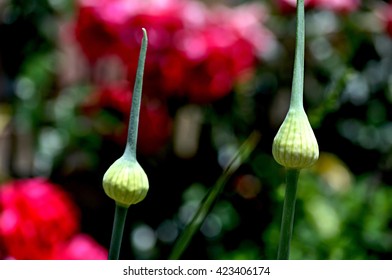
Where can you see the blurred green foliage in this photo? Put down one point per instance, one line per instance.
(344, 207)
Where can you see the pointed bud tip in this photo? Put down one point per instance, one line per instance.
(145, 37)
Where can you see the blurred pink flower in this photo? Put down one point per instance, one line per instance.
(340, 6)
(194, 52)
(39, 221)
(155, 127)
(80, 247)
(289, 6)
(222, 52)
(97, 37)
(385, 13)
(35, 216)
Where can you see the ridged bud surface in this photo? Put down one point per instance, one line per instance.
(295, 145)
(126, 182)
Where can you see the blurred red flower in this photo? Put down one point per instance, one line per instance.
(194, 52)
(39, 221)
(35, 216)
(385, 12)
(289, 6)
(100, 24)
(340, 6)
(80, 247)
(90, 30)
(155, 127)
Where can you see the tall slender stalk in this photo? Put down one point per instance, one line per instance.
(295, 145)
(296, 103)
(299, 60)
(120, 215)
(286, 228)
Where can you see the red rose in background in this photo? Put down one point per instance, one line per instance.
(288, 6)
(155, 127)
(101, 26)
(223, 51)
(385, 12)
(39, 221)
(340, 6)
(80, 247)
(97, 37)
(35, 216)
(194, 52)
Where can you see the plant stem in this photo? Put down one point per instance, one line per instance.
(130, 149)
(286, 228)
(298, 75)
(296, 102)
(120, 214)
(205, 206)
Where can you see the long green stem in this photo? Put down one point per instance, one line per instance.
(298, 75)
(205, 206)
(120, 214)
(286, 228)
(130, 149)
(296, 102)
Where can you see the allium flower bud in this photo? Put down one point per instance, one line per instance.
(295, 145)
(126, 182)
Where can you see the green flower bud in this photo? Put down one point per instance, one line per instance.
(126, 182)
(295, 145)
